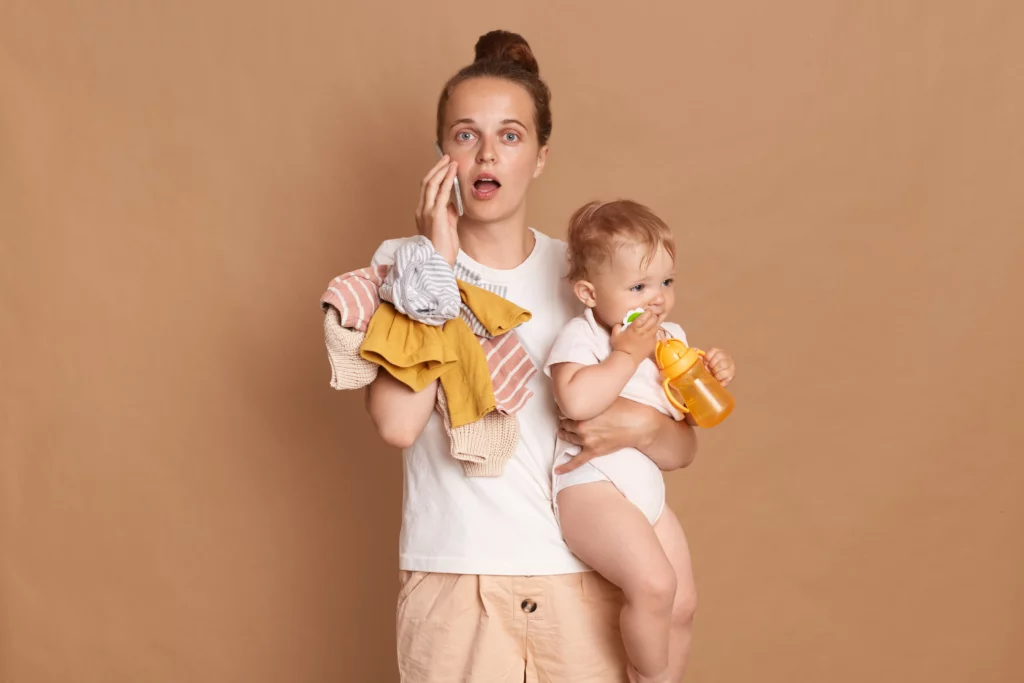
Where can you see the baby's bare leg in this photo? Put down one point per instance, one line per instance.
(673, 541)
(611, 535)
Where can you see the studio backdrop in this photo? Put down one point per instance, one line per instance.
(184, 499)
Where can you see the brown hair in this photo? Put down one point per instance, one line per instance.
(597, 229)
(505, 55)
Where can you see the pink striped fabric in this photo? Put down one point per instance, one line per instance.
(511, 370)
(355, 296)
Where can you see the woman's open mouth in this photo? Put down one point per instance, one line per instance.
(485, 187)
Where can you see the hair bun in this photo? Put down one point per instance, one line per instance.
(506, 46)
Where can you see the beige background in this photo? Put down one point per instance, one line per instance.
(183, 497)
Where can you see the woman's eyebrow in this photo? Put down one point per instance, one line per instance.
(505, 122)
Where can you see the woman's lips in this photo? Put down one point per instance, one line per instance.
(486, 188)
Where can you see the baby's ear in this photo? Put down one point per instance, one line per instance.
(585, 292)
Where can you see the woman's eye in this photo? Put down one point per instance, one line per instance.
(464, 136)
(636, 288)
(511, 137)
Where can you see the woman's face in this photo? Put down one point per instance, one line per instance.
(490, 131)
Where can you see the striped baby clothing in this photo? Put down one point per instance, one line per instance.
(421, 284)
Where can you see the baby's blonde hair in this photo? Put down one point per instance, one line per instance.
(597, 229)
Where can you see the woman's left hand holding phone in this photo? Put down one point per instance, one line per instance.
(436, 218)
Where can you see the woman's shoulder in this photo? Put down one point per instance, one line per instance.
(553, 254)
(551, 244)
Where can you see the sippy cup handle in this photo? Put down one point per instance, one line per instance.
(671, 394)
(672, 399)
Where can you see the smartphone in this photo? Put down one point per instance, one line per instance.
(456, 190)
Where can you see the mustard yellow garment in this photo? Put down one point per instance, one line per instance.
(416, 354)
(467, 385)
(496, 314)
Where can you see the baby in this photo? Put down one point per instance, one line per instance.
(612, 508)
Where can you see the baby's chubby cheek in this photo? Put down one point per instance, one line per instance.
(608, 315)
(621, 313)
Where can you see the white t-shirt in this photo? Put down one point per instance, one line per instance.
(495, 525)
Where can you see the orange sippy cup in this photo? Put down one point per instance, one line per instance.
(685, 374)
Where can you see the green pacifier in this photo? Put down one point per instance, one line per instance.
(631, 316)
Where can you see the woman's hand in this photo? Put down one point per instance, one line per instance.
(436, 218)
(626, 424)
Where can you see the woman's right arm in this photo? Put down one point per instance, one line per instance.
(399, 413)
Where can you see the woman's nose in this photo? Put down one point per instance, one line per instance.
(486, 154)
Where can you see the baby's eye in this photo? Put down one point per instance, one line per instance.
(511, 137)
(637, 288)
(669, 282)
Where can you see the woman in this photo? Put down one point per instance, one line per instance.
(489, 590)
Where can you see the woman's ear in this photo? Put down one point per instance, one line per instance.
(584, 291)
(542, 158)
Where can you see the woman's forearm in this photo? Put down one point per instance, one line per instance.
(671, 444)
(399, 413)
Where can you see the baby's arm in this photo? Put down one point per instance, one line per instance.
(585, 391)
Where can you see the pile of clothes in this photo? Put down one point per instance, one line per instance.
(421, 323)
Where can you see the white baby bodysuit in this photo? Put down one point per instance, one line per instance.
(585, 342)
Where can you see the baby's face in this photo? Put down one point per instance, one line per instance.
(623, 284)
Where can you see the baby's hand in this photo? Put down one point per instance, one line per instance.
(639, 338)
(721, 366)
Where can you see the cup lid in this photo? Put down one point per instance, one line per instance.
(674, 357)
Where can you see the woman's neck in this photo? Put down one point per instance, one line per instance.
(502, 245)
